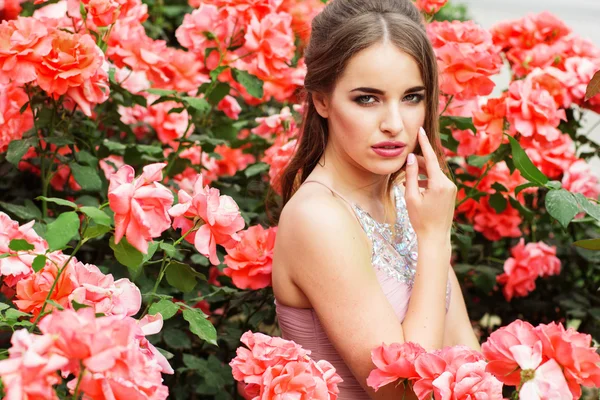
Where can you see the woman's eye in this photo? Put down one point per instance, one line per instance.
(414, 98)
(365, 99)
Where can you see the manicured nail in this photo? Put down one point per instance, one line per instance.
(422, 131)
(411, 159)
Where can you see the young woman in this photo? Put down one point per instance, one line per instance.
(346, 274)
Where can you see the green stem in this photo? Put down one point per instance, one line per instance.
(447, 104)
(51, 291)
(76, 392)
(469, 195)
(161, 274)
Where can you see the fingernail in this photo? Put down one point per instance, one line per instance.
(422, 131)
(411, 159)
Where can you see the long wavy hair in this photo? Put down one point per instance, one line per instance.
(341, 30)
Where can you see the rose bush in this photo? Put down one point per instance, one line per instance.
(141, 145)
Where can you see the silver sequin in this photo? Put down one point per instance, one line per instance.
(396, 257)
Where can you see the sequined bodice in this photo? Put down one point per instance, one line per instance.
(395, 255)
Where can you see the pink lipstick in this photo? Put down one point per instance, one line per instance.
(389, 148)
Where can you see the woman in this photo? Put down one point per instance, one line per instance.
(346, 275)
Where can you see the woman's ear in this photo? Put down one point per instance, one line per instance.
(321, 102)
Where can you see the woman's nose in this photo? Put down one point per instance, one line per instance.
(392, 122)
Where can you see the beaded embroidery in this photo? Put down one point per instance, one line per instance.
(396, 257)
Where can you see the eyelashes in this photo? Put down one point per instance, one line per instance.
(364, 100)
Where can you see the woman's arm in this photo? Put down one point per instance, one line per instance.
(328, 257)
(459, 329)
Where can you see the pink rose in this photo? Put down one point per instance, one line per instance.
(275, 124)
(469, 382)
(393, 362)
(220, 215)
(140, 205)
(573, 352)
(552, 158)
(579, 178)
(103, 293)
(501, 361)
(232, 160)
(18, 265)
(30, 370)
(489, 121)
(249, 262)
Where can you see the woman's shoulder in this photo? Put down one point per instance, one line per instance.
(314, 212)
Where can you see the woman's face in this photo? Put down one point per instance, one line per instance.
(379, 98)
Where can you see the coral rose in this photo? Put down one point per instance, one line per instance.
(532, 110)
(232, 160)
(249, 262)
(394, 362)
(140, 205)
(278, 157)
(466, 57)
(552, 158)
(574, 353)
(30, 370)
(469, 382)
(579, 178)
(430, 6)
(496, 349)
(73, 60)
(23, 44)
(13, 123)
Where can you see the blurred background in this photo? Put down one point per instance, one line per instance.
(583, 16)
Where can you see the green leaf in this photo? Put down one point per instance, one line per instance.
(593, 210)
(525, 212)
(60, 202)
(78, 306)
(12, 314)
(499, 187)
(463, 123)
(168, 248)
(127, 255)
(87, 177)
(253, 85)
(524, 186)
(554, 185)
(3, 306)
(498, 202)
(20, 245)
(221, 90)
(26, 212)
(166, 308)
(56, 305)
(193, 362)
(197, 103)
(562, 206)
(182, 276)
(38, 262)
(97, 215)
(17, 149)
(177, 339)
(588, 244)
(256, 169)
(62, 230)
(95, 231)
(478, 161)
(87, 159)
(59, 141)
(524, 164)
(200, 326)
(161, 92)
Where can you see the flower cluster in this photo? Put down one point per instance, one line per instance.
(450, 373)
(272, 367)
(108, 357)
(545, 361)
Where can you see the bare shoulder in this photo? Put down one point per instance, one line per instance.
(315, 221)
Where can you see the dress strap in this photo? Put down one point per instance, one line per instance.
(332, 191)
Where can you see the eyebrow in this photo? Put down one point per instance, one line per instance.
(381, 92)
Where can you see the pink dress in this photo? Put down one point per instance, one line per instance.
(394, 263)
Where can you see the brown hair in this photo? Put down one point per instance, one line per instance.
(341, 30)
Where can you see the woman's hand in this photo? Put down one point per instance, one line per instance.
(431, 210)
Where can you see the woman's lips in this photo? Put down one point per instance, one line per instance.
(383, 152)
